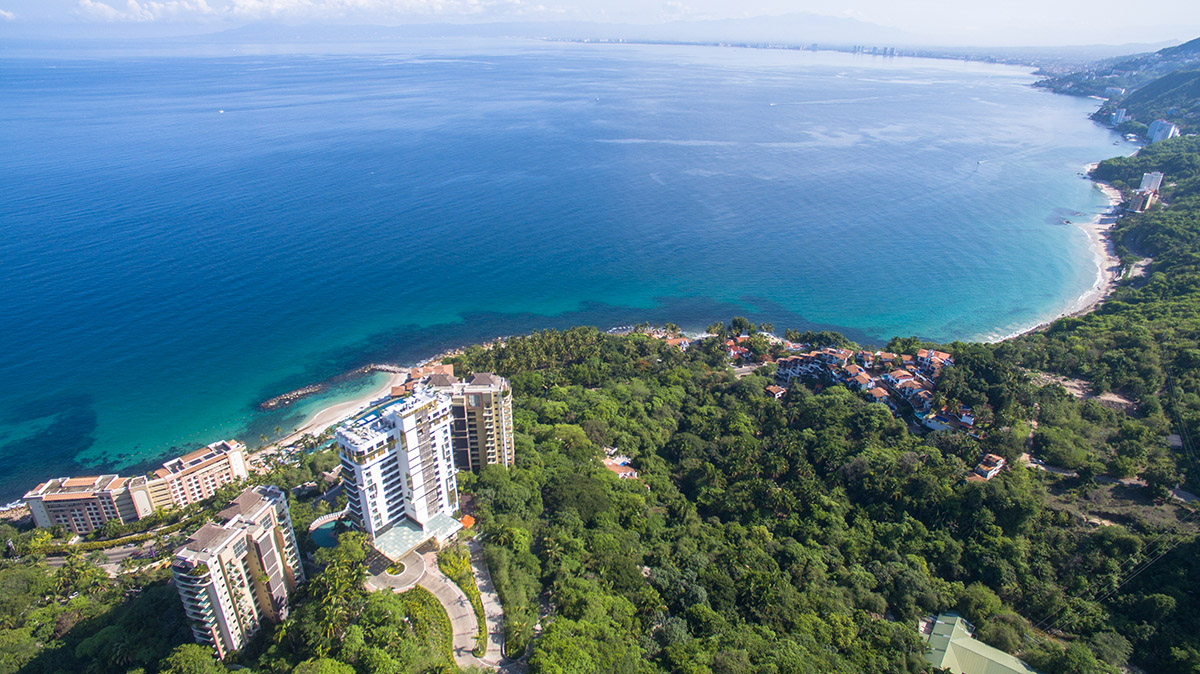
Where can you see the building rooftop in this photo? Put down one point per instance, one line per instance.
(208, 538)
(66, 488)
(953, 647)
(365, 432)
(486, 379)
(442, 380)
(249, 501)
(199, 457)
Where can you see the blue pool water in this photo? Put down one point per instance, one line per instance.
(324, 535)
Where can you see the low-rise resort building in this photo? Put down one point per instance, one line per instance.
(84, 504)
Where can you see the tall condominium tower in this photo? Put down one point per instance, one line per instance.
(235, 575)
(400, 472)
(483, 430)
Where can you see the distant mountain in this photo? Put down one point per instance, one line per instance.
(1183, 51)
(1127, 72)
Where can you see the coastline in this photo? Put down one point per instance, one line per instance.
(1108, 275)
(1104, 253)
(335, 414)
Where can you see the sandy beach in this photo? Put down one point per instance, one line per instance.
(335, 414)
(1108, 264)
(1105, 252)
(332, 415)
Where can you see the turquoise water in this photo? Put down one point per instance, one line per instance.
(182, 238)
(324, 536)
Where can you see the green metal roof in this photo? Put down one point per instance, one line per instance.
(953, 647)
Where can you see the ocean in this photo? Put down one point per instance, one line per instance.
(184, 237)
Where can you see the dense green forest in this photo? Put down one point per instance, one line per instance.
(805, 534)
(1175, 97)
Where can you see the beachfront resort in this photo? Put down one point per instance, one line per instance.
(83, 504)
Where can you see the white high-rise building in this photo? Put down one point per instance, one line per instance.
(1151, 182)
(1161, 130)
(400, 474)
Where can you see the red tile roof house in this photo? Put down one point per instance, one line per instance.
(922, 401)
(910, 388)
(682, 343)
(776, 391)
(789, 368)
(898, 377)
(862, 382)
(929, 357)
(736, 351)
(989, 466)
(835, 356)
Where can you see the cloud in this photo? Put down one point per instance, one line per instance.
(260, 9)
(97, 10)
(180, 10)
(7, 16)
(146, 10)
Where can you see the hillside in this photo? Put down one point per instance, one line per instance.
(1175, 97)
(1129, 73)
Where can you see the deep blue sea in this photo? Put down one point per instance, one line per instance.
(182, 238)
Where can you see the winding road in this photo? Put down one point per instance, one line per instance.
(422, 570)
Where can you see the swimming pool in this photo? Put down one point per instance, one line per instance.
(324, 535)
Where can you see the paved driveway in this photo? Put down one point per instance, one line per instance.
(462, 615)
(422, 569)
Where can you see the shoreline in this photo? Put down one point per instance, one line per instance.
(1104, 253)
(1108, 275)
(337, 413)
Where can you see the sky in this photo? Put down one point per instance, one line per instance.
(942, 22)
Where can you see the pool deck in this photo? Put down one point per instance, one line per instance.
(405, 536)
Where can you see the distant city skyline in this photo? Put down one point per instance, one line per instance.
(933, 22)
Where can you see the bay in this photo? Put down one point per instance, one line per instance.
(184, 237)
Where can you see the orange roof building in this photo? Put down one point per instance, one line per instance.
(84, 504)
(197, 475)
